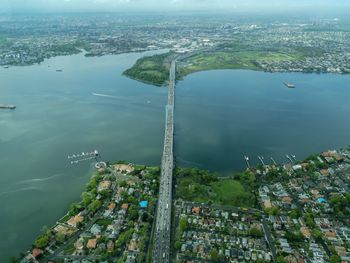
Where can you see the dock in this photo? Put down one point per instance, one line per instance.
(261, 158)
(246, 158)
(7, 106)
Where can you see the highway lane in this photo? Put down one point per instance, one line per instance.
(161, 248)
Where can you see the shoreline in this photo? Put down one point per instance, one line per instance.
(110, 179)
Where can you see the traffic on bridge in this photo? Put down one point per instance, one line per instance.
(161, 248)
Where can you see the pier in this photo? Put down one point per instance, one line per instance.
(261, 158)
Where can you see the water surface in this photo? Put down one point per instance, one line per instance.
(57, 115)
(220, 116)
(223, 115)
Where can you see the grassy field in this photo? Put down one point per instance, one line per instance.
(153, 70)
(233, 60)
(201, 186)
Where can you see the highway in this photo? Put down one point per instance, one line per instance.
(161, 248)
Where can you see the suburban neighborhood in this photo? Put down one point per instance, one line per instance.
(301, 215)
(112, 221)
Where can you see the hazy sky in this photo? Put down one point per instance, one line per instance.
(137, 5)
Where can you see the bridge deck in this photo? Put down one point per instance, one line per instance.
(161, 249)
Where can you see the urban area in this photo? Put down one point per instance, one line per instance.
(300, 214)
(298, 45)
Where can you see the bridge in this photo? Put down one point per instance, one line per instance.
(161, 248)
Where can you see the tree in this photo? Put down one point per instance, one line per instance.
(183, 224)
(280, 259)
(133, 213)
(103, 256)
(42, 241)
(334, 259)
(294, 236)
(273, 211)
(317, 234)
(141, 257)
(93, 182)
(105, 193)
(295, 213)
(145, 217)
(177, 245)
(60, 237)
(45, 229)
(96, 204)
(214, 254)
(256, 232)
(73, 208)
(122, 184)
(309, 220)
(86, 198)
(124, 238)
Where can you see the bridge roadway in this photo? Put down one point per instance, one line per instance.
(161, 248)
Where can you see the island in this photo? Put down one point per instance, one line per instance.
(152, 70)
(293, 212)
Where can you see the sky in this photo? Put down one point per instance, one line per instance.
(160, 5)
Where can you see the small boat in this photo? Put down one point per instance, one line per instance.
(59, 70)
(11, 107)
(289, 85)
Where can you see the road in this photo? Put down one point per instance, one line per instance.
(269, 239)
(161, 248)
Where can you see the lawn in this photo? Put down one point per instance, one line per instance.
(234, 60)
(231, 192)
(201, 186)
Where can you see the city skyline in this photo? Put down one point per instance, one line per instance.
(166, 5)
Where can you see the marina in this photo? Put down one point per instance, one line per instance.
(291, 158)
(84, 156)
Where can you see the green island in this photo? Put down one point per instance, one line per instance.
(152, 70)
(294, 211)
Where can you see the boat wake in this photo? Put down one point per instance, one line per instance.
(39, 180)
(35, 189)
(105, 95)
(189, 162)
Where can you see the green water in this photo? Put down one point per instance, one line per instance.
(220, 116)
(57, 115)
